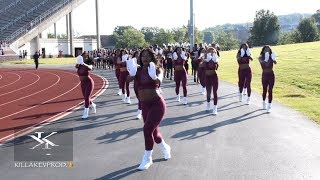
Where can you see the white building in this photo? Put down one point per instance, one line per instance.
(52, 47)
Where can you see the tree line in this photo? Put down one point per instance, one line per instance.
(264, 30)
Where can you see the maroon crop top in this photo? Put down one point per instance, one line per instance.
(244, 60)
(179, 61)
(144, 81)
(83, 70)
(267, 65)
(211, 65)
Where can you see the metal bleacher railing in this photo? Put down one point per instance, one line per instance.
(9, 6)
(23, 15)
(36, 21)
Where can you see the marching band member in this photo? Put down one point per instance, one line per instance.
(211, 78)
(201, 71)
(244, 71)
(153, 105)
(267, 58)
(169, 63)
(180, 73)
(87, 83)
(116, 59)
(124, 84)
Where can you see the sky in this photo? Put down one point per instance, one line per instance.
(175, 13)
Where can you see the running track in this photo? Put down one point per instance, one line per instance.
(29, 98)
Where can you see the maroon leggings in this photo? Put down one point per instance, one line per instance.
(245, 76)
(201, 76)
(124, 83)
(135, 87)
(181, 76)
(118, 76)
(152, 113)
(268, 80)
(87, 88)
(212, 83)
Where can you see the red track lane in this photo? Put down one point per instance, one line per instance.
(27, 80)
(38, 103)
(10, 79)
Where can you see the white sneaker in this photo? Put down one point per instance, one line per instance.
(128, 100)
(119, 92)
(248, 100)
(124, 97)
(166, 150)
(269, 108)
(240, 97)
(244, 91)
(85, 113)
(215, 110)
(139, 114)
(93, 108)
(264, 105)
(146, 160)
(185, 101)
(208, 106)
(178, 98)
(203, 91)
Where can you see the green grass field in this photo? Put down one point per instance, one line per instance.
(297, 75)
(47, 61)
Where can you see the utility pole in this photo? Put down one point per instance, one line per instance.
(97, 23)
(191, 25)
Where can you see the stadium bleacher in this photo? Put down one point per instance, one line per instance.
(18, 14)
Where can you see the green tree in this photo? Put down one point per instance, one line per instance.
(51, 35)
(208, 37)
(150, 33)
(286, 38)
(226, 40)
(266, 28)
(131, 38)
(316, 16)
(290, 37)
(120, 29)
(198, 36)
(180, 34)
(308, 30)
(62, 36)
(164, 37)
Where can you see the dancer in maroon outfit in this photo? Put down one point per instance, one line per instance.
(211, 78)
(267, 58)
(117, 68)
(244, 71)
(87, 83)
(180, 73)
(153, 105)
(201, 70)
(124, 84)
(135, 83)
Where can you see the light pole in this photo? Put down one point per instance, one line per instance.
(191, 25)
(97, 23)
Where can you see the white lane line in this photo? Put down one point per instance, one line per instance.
(0, 76)
(22, 87)
(33, 93)
(56, 117)
(12, 82)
